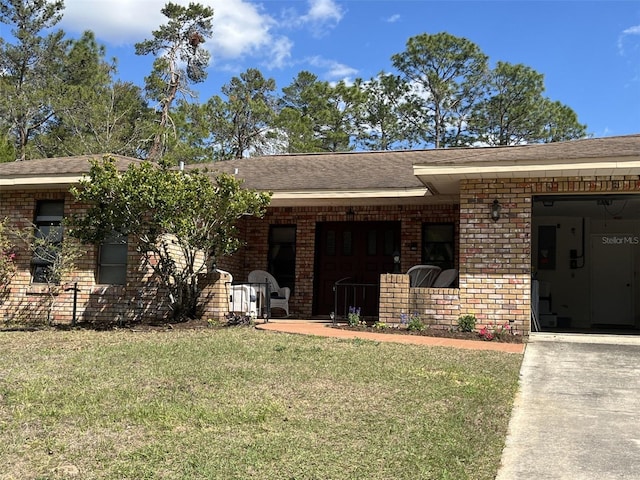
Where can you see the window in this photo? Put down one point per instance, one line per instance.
(112, 260)
(282, 254)
(438, 245)
(48, 237)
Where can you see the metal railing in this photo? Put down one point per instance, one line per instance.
(357, 295)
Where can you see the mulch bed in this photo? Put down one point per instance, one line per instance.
(432, 332)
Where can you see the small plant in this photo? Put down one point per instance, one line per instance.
(380, 325)
(416, 324)
(213, 322)
(353, 318)
(235, 319)
(467, 323)
(498, 332)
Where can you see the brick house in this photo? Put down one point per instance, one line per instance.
(567, 224)
(108, 284)
(569, 218)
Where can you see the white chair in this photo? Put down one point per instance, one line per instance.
(423, 275)
(279, 295)
(446, 278)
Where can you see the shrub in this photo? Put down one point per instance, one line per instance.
(466, 323)
(353, 318)
(416, 324)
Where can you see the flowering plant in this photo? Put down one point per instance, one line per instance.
(353, 318)
(497, 331)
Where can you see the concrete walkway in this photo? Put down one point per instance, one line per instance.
(323, 329)
(577, 415)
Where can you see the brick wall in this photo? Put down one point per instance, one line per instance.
(256, 231)
(29, 303)
(437, 307)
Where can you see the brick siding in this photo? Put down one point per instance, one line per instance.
(254, 255)
(28, 302)
(493, 258)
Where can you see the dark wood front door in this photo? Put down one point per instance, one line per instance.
(356, 251)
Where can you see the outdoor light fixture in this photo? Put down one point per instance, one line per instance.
(396, 261)
(495, 210)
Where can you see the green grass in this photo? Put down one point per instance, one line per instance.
(243, 404)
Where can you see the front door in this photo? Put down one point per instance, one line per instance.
(357, 252)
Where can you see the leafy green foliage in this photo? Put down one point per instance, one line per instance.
(515, 111)
(181, 222)
(466, 323)
(31, 67)
(242, 124)
(353, 317)
(379, 118)
(315, 116)
(447, 74)
(416, 324)
(59, 96)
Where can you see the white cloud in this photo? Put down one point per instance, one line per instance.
(625, 40)
(321, 16)
(240, 27)
(332, 70)
(321, 11)
(393, 18)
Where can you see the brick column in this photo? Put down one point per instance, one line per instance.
(214, 298)
(495, 257)
(394, 297)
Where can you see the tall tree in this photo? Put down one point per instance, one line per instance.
(31, 66)
(316, 116)
(95, 115)
(379, 117)
(193, 140)
(111, 118)
(560, 123)
(294, 119)
(515, 111)
(447, 76)
(179, 42)
(242, 124)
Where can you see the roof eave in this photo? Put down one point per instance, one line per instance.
(445, 179)
(348, 197)
(40, 181)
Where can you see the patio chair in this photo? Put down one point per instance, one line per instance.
(423, 275)
(446, 278)
(279, 295)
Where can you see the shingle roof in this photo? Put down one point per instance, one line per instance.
(51, 167)
(394, 169)
(325, 171)
(349, 171)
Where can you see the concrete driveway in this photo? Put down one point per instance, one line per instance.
(577, 415)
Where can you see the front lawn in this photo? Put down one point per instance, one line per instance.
(238, 403)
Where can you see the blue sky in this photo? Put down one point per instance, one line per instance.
(588, 51)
